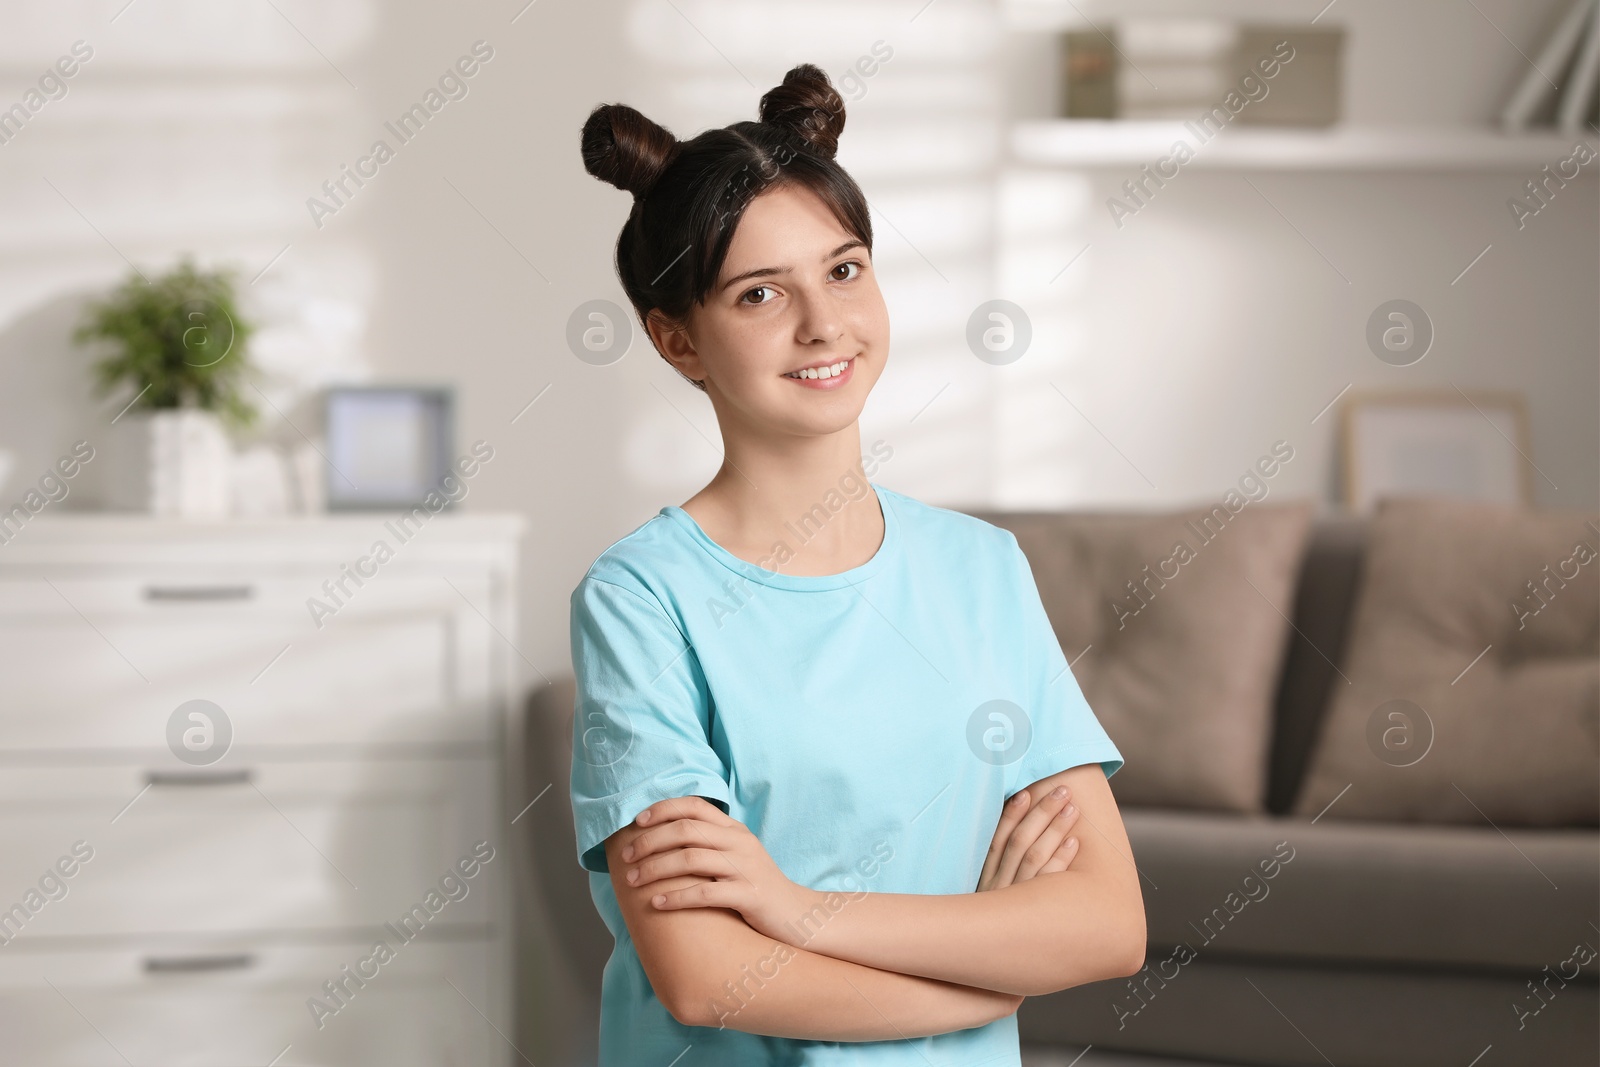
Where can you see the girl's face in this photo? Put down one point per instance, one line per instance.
(796, 290)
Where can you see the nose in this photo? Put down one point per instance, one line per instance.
(820, 321)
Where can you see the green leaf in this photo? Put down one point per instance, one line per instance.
(178, 342)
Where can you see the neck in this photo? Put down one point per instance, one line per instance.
(810, 493)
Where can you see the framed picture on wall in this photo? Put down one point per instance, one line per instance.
(388, 445)
(1441, 443)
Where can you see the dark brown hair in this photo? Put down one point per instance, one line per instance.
(688, 196)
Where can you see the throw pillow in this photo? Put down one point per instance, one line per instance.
(1176, 626)
(1471, 691)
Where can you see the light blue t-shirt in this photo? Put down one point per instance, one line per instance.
(867, 726)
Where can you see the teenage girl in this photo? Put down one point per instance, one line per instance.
(803, 698)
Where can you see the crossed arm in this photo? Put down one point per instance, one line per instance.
(727, 940)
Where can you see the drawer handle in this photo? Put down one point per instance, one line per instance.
(240, 776)
(192, 964)
(199, 592)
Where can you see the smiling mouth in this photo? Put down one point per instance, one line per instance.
(831, 371)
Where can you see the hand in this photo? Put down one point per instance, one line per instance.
(691, 836)
(1033, 842)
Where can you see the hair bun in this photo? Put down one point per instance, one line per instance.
(624, 148)
(807, 104)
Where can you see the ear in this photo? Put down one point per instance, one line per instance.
(673, 342)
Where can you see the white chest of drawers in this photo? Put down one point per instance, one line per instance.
(162, 904)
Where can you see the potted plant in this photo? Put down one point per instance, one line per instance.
(181, 349)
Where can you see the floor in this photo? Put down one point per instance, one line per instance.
(1075, 1056)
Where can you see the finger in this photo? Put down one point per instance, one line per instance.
(1044, 848)
(679, 833)
(700, 895)
(1010, 814)
(1028, 830)
(682, 808)
(1066, 852)
(703, 862)
(1038, 853)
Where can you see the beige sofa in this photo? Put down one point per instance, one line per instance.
(1274, 937)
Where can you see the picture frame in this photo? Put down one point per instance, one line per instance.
(1473, 445)
(387, 445)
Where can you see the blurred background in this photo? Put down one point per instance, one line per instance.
(320, 395)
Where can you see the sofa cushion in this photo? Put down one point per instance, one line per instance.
(1176, 626)
(1472, 688)
(1228, 1012)
(1262, 885)
(1324, 595)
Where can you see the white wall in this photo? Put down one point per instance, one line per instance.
(1189, 340)
(1228, 312)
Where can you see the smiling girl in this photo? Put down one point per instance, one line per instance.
(803, 699)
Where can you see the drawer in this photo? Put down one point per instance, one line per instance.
(299, 847)
(226, 592)
(244, 1003)
(104, 662)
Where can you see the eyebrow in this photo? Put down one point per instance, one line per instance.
(763, 272)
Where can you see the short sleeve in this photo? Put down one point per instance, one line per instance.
(641, 724)
(1064, 729)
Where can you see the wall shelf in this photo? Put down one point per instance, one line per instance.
(1092, 143)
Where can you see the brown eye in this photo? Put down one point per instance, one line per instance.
(848, 263)
(757, 289)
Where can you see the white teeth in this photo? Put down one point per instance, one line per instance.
(821, 372)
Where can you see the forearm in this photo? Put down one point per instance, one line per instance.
(1052, 932)
(760, 986)
(710, 968)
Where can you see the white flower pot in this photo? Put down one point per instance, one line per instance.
(189, 465)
